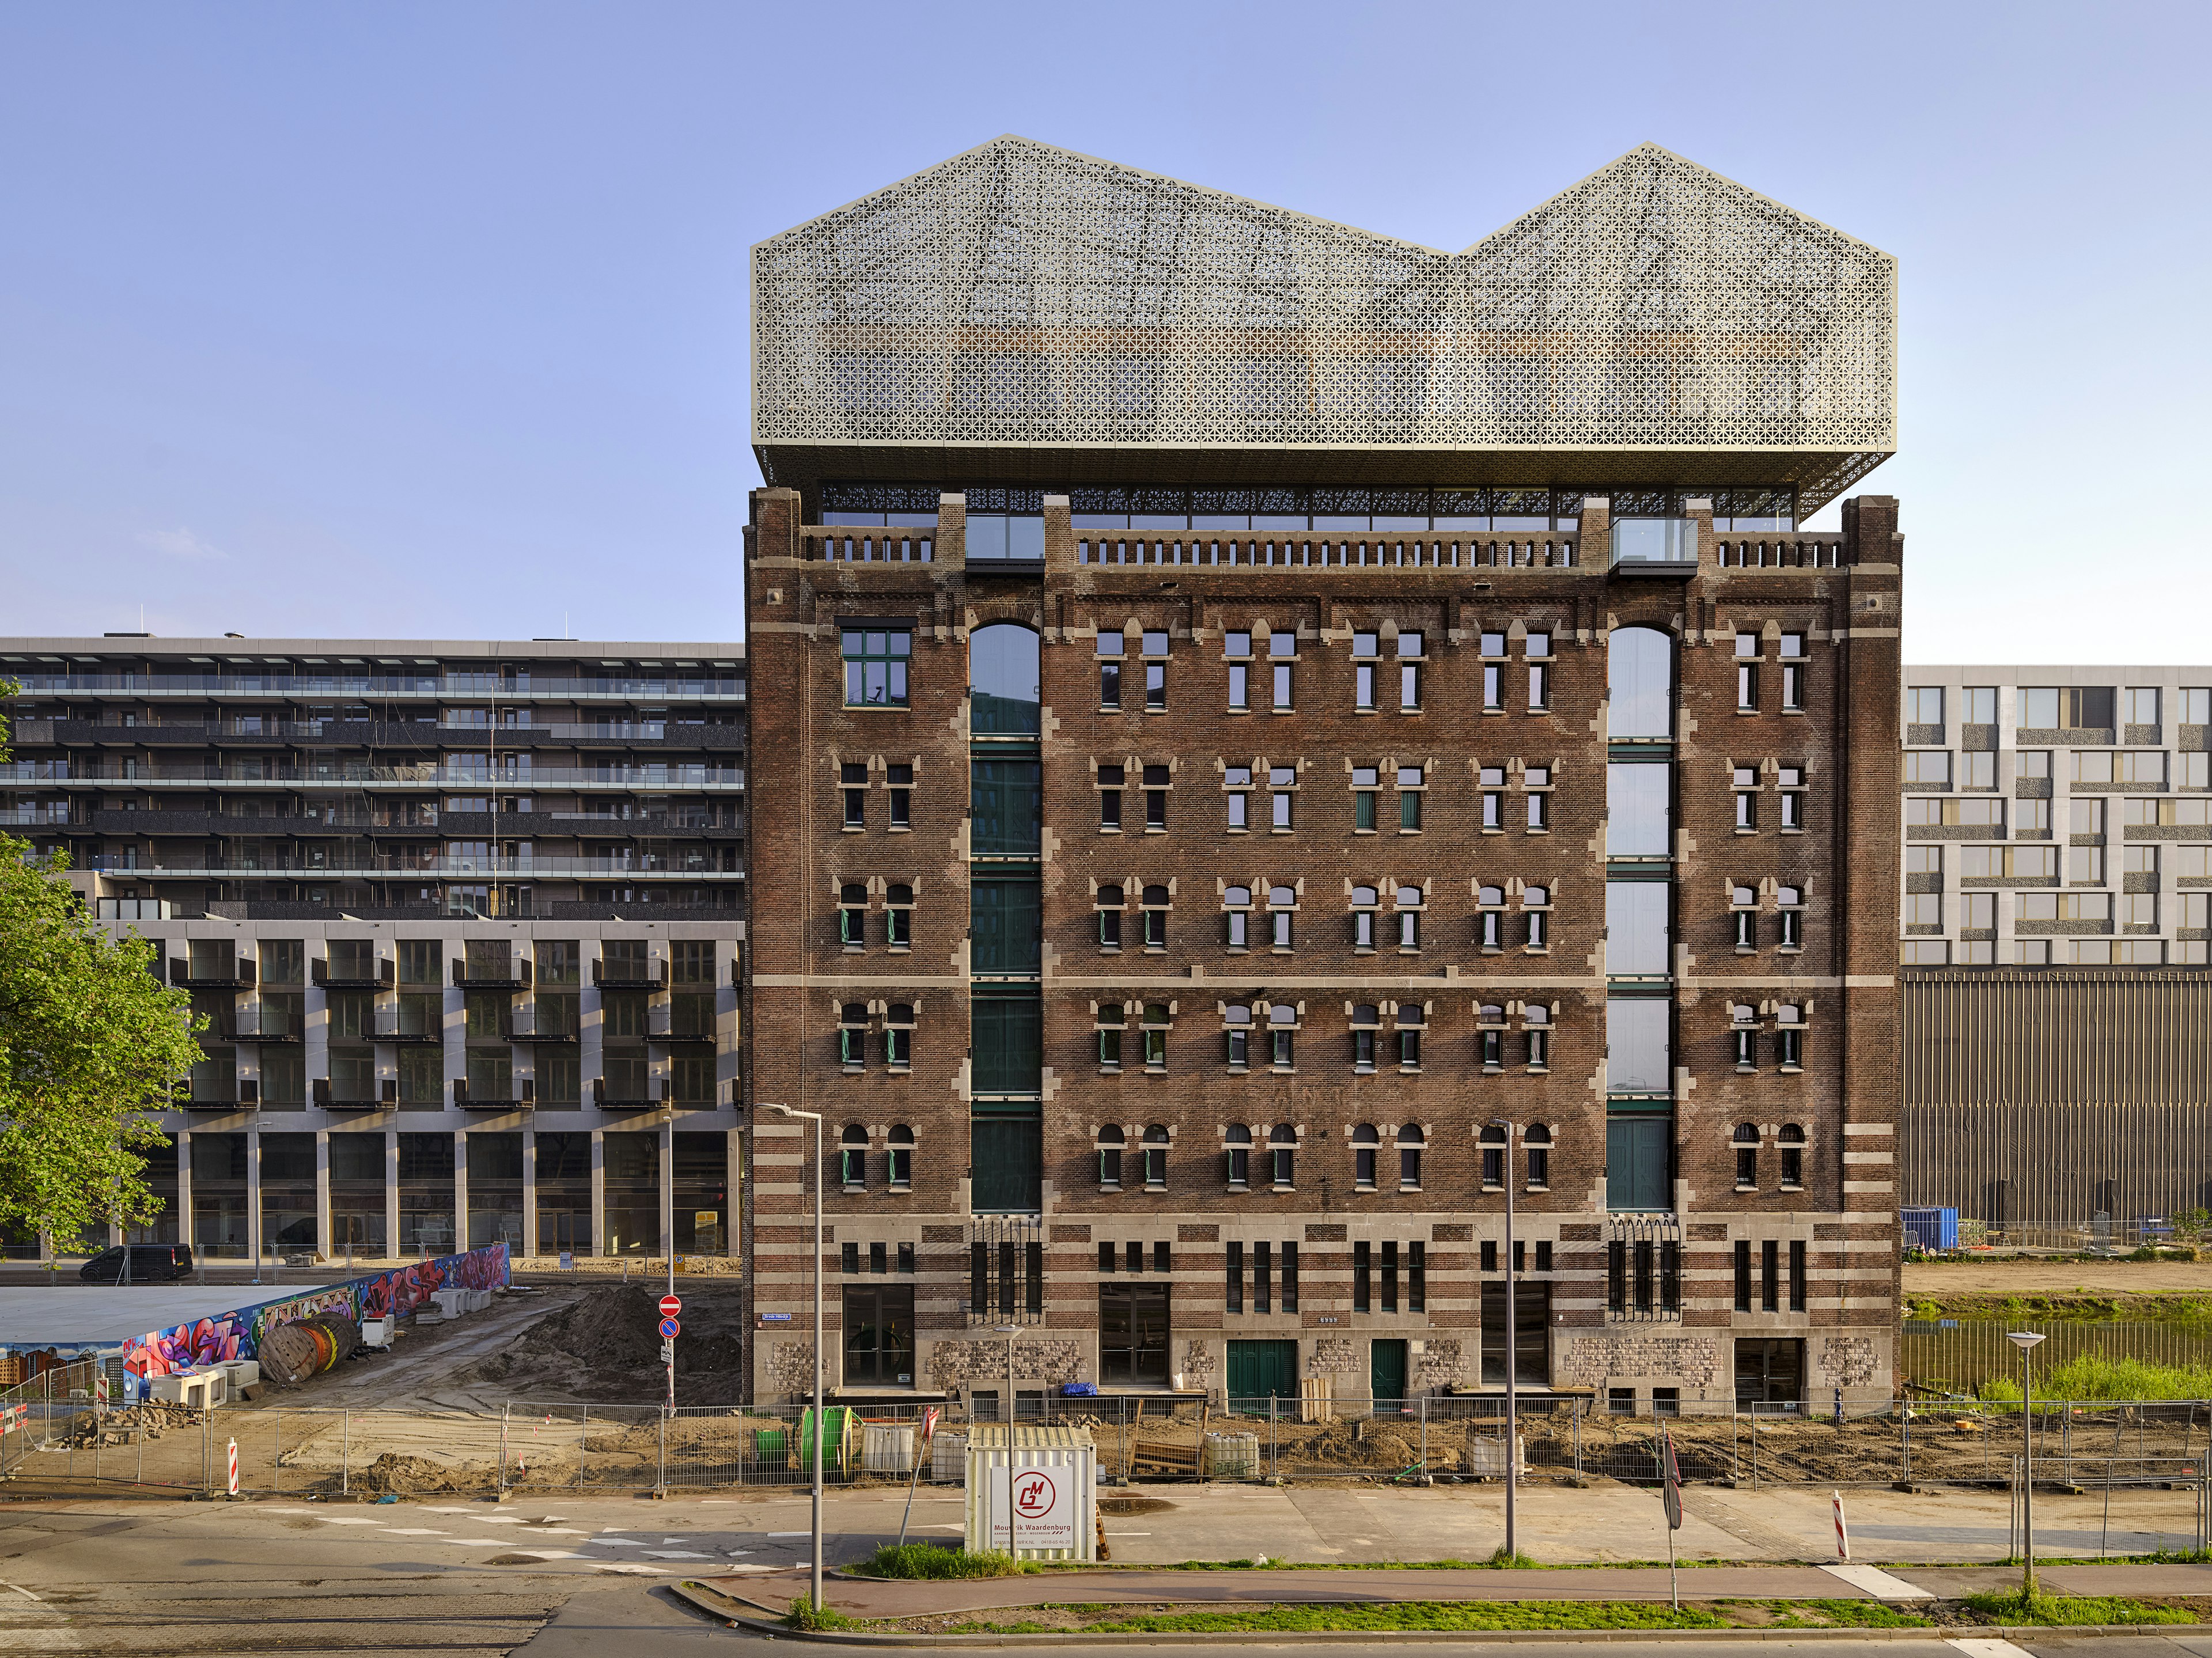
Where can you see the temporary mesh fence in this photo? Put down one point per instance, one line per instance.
(55, 1430)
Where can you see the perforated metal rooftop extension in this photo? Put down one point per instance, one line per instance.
(1023, 314)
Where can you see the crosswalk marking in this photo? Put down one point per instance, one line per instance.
(28, 1624)
(1878, 1583)
(1987, 1646)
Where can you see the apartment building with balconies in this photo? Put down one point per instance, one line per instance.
(465, 922)
(424, 777)
(1281, 737)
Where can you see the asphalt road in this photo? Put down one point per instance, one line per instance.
(538, 1577)
(263, 1578)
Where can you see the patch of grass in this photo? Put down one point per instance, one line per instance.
(1505, 1559)
(926, 1560)
(1838, 1614)
(2094, 1377)
(2058, 1611)
(805, 1615)
(1402, 1615)
(1496, 1560)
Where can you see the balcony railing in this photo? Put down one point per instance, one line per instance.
(393, 1025)
(264, 1025)
(607, 1102)
(386, 1095)
(521, 1096)
(630, 975)
(343, 973)
(240, 975)
(1427, 549)
(504, 869)
(513, 973)
(200, 776)
(846, 544)
(1654, 546)
(1785, 549)
(725, 686)
(662, 1026)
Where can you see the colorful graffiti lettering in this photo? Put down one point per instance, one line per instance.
(237, 1335)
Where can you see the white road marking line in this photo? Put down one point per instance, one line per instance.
(551, 1554)
(448, 1508)
(345, 1520)
(501, 1520)
(678, 1554)
(25, 1593)
(414, 1531)
(1878, 1583)
(803, 1533)
(557, 1531)
(635, 1570)
(1987, 1646)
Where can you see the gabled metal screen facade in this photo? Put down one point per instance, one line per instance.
(1656, 322)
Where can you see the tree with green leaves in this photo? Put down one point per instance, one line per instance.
(90, 1044)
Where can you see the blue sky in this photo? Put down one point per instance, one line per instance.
(430, 321)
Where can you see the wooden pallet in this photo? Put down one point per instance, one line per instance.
(1164, 1456)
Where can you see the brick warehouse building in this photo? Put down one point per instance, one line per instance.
(1279, 734)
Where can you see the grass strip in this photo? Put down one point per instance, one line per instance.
(1499, 1561)
(1836, 1614)
(926, 1560)
(805, 1615)
(1399, 1615)
(2059, 1610)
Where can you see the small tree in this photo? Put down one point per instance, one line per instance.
(89, 1043)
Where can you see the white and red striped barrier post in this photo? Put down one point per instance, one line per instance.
(1843, 1532)
(233, 1467)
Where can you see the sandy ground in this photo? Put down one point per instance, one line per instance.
(2045, 1278)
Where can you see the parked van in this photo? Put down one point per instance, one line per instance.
(151, 1263)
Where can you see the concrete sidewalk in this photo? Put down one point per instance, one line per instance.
(1610, 1524)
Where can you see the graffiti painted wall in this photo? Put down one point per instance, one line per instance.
(240, 1335)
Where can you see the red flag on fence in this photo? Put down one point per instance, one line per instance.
(929, 1424)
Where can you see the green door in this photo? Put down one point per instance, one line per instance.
(1261, 1370)
(1386, 1372)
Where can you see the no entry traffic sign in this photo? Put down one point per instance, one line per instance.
(669, 1328)
(670, 1306)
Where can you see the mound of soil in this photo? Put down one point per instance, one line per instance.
(604, 1347)
(1340, 1445)
(412, 1476)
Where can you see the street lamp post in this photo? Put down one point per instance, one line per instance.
(1512, 1344)
(1009, 1331)
(821, 1424)
(2026, 1340)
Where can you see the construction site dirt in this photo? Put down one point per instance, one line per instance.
(562, 1387)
